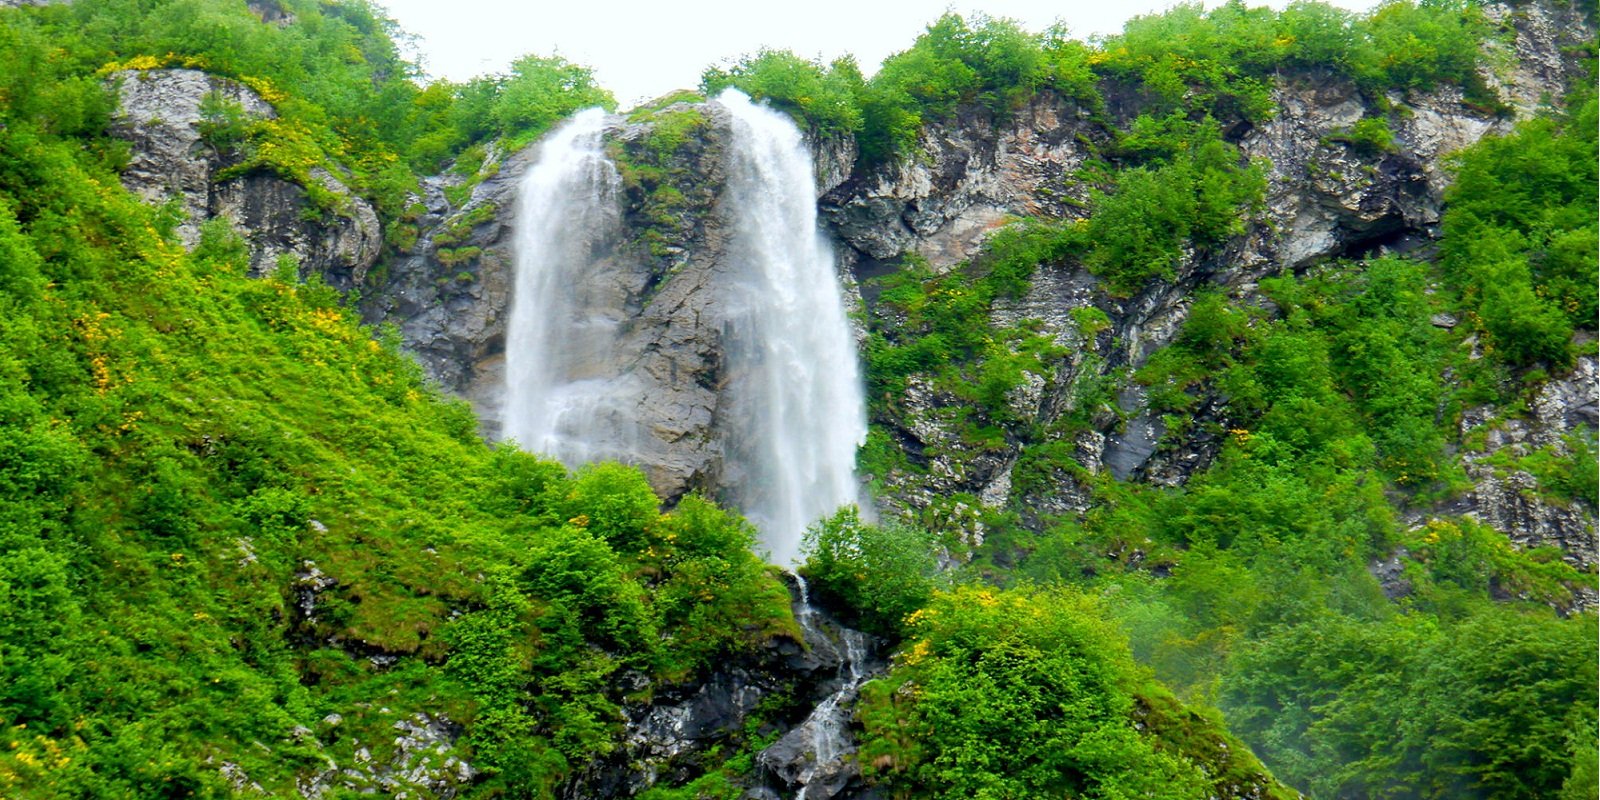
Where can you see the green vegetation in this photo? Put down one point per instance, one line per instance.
(1190, 190)
(227, 511)
(656, 174)
(1370, 136)
(1521, 236)
(1186, 59)
(1027, 693)
(944, 333)
(825, 97)
(179, 444)
(879, 574)
(1332, 403)
(346, 99)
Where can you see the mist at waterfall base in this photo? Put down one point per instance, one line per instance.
(793, 410)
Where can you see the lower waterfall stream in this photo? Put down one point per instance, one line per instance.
(823, 737)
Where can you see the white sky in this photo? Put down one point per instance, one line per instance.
(641, 49)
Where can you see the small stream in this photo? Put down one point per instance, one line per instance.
(815, 758)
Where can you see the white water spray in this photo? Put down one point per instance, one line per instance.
(563, 396)
(798, 407)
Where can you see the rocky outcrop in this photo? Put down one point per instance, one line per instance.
(452, 313)
(1508, 496)
(451, 294)
(419, 759)
(271, 12)
(1330, 194)
(974, 174)
(1535, 59)
(771, 692)
(159, 113)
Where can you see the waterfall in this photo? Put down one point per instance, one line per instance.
(790, 412)
(798, 411)
(564, 395)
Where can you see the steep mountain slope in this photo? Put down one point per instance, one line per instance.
(1233, 374)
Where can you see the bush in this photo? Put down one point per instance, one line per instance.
(1518, 216)
(1023, 693)
(1370, 136)
(821, 98)
(614, 502)
(541, 91)
(1140, 230)
(878, 574)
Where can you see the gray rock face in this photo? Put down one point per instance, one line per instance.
(159, 114)
(975, 174)
(1562, 417)
(1532, 63)
(1326, 198)
(664, 278)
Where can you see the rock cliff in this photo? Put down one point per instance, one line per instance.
(159, 113)
(1328, 196)
(451, 294)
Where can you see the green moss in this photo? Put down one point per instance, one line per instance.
(656, 172)
(461, 255)
(1370, 136)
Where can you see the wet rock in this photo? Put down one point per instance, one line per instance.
(666, 738)
(309, 584)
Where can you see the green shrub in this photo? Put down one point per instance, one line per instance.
(1519, 214)
(1139, 232)
(541, 91)
(1370, 136)
(1024, 693)
(615, 503)
(879, 573)
(822, 98)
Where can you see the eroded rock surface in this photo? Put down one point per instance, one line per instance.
(159, 115)
(1327, 197)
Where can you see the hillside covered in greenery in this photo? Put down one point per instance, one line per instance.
(247, 548)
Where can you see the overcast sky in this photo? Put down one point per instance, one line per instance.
(642, 49)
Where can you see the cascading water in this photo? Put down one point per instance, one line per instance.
(792, 411)
(825, 731)
(798, 411)
(564, 396)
